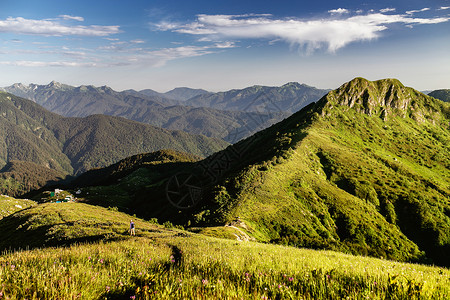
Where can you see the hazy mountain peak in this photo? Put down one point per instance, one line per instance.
(54, 84)
(184, 93)
(293, 84)
(106, 89)
(19, 86)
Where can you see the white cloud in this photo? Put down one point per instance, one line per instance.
(137, 41)
(165, 26)
(118, 57)
(224, 45)
(332, 33)
(387, 9)
(444, 7)
(411, 12)
(76, 54)
(53, 28)
(338, 11)
(68, 17)
(205, 39)
(26, 63)
(160, 57)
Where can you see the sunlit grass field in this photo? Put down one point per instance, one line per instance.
(9, 205)
(162, 263)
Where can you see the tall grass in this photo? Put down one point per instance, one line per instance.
(178, 265)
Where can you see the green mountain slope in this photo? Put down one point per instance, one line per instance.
(443, 95)
(365, 170)
(19, 177)
(26, 137)
(125, 167)
(290, 97)
(74, 145)
(99, 140)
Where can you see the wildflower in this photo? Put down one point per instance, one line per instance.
(13, 267)
(291, 279)
(205, 281)
(133, 297)
(108, 288)
(101, 260)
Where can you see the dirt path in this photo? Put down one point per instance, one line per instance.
(243, 236)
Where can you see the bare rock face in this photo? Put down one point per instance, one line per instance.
(385, 98)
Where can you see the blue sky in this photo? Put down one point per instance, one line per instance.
(220, 45)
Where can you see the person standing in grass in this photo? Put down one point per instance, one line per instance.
(132, 231)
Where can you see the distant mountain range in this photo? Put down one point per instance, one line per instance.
(178, 94)
(290, 97)
(228, 115)
(72, 145)
(364, 170)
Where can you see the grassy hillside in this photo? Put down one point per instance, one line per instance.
(162, 263)
(9, 205)
(362, 171)
(55, 224)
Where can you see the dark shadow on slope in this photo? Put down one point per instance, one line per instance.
(16, 236)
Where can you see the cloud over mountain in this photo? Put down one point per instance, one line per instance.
(331, 33)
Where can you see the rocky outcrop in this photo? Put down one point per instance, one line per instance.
(384, 98)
